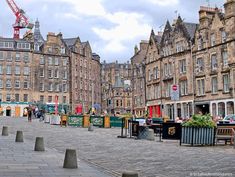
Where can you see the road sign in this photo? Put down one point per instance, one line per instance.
(175, 92)
(174, 87)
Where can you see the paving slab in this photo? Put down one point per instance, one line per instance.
(102, 151)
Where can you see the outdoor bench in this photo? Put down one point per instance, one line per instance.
(226, 134)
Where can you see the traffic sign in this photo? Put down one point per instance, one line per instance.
(174, 87)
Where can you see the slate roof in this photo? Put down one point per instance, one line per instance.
(191, 28)
(70, 41)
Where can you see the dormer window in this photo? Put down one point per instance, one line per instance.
(223, 36)
(62, 50)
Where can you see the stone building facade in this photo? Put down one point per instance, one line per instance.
(197, 60)
(43, 73)
(116, 88)
(138, 79)
(85, 76)
(16, 76)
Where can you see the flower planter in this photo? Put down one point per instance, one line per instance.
(197, 136)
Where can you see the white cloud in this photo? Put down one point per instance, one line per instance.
(164, 2)
(128, 26)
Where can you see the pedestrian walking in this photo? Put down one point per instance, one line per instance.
(30, 114)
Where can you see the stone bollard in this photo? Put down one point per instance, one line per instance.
(150, 135)
(129, 174)
(4, 131)
(91, 127)
(39, 144)
(70, 160)
(19, 136)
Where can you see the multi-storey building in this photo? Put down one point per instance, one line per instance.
(138, 79)
(51, 73)
(116, 88)
(16, 76)
(214, 58)
(48, 72)
(85, 76)
(198, 61)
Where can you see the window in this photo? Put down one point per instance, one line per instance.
(65, 88)
(57, 87)
(8, 97)
(201, 87)
(25, 97)
(41, 98)
(213, 62)
(225, 58)
(8, 83)
(26, 71)
(50, 61)
(165, 70)
(17, 84)
(17, 56)
(200, 44)
(17, 70)
(168, 89)
(182, 66)
(26, 84)
(1, 83)
(26, 57)
(65, 75)
(23, 45)
(62, 50)
(50, 87)
(1, 55)
(214, 84)
(149, 75)
(156, 73)
(1, 69)
(49, 99)
(41, 87)
(200, 65)
(9, 57)
(50, 73)
(56, 61)
(183, 88)
(212, 39)
(223, 36)
(9, 69)
(117, 103)
(56, 73)
(64, 99)
(226, 83)
(41, 72)
(42, 60)
(17, 97)
(65, 61)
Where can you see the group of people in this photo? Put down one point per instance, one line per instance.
(36, 112)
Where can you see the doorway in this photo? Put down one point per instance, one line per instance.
(8, 111)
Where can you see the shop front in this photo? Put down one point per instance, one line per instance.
(154, 109)
(13, 109)
(221, 108)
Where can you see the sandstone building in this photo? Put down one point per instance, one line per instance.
(116, 88)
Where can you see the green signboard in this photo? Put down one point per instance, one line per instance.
(97, 121)
(75, 121)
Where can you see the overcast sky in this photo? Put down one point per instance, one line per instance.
(113, 27)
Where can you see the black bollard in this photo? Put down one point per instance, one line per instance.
(19, 136)
(91, 127)
(4, 131)
(39, 144)
(70, 160)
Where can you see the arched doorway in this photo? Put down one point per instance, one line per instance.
(8, 111)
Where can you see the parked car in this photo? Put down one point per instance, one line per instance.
(228, 119)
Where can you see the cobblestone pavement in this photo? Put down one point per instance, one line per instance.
(104, 151)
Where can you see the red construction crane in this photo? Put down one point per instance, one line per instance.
(21, 20)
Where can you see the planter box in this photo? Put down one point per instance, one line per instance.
(197, 136)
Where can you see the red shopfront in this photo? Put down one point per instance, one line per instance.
(154, 111)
